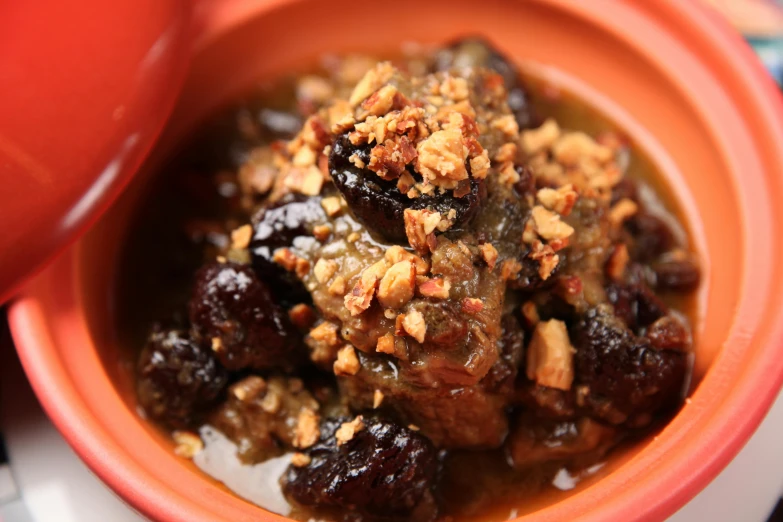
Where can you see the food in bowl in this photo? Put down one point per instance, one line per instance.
(423, 287)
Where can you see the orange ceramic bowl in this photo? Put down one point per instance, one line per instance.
(671, 74)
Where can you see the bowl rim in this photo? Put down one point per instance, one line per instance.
(30, 326)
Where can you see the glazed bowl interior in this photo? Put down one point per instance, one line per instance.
(666, 88)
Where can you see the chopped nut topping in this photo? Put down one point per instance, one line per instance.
(347, 363)
(510, 269)
(221, 259)
(530, 313)
(331, 206)
(508, 175)
(356, 160)
(217, 344)
(300, 460)
(615, 267)
(489, 254)
(360, 297)
(377, 399)
(324, 269)
(398, 284)
(396, 253)
(389, 159)
(550, 356)
(413, 427)
(248, 388)
(622, 210)
(285, 258)
(542, 138)
(326, 332)
(437, 288)
(479, 165)
(414, 325)
(455, 88)
(302, 267)
(418, 225)
(347, 430)
(472, 305)
(305, 180)
(306, 433)
(302, 315)
(353, 237)
(240, 238)
(405, 183)
(371, 82)
(442, 158)
(338, 286)
(322, 232)
(314, 88)
(506, 153)
(380, 102)
(574, 147)
(548, 224)
(561, 200)
(546, 257)
(271, 402)
(385, 344)
(188, 444)
(507, 125)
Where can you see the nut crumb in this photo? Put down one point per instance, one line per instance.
(622, 210)
(217, 344)
(509, 269)
(347, 430)
(414, 325)
(542, 138)
(472, 305)
(331, 206)
(359, 298)
(285, 258)
(221, 259)
(490, 255)
(322, 232)
(338, 286)
(248, 388)
(419, 224)
(385, 344)
(530, 313)
(240, 238)
(398, 284)
(271, 402)
(436, 287)
(371, 82)
(302, 315)
(618, 261)
(561, 200)
(188, 444)
(396, 253)
(377, 399)
(306, 433)
(550, 356)
(347, 363)
(302, 267)
(548, 224)
(413, 427)
(441, 158)
(300, 460)
(324, 269)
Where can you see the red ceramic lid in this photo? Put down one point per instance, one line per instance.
(86, 88)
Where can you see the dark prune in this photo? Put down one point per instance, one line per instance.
(177, 379)
(384, 470)
(232, 309)
(471, 53)
(635, 304)
(281, 225)
(668, 333)
(676, 275)
(625, 378)
(625, 189)
(651, 236)
(380, 206)
(526, 186)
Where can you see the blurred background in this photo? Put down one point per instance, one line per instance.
(42, 480)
